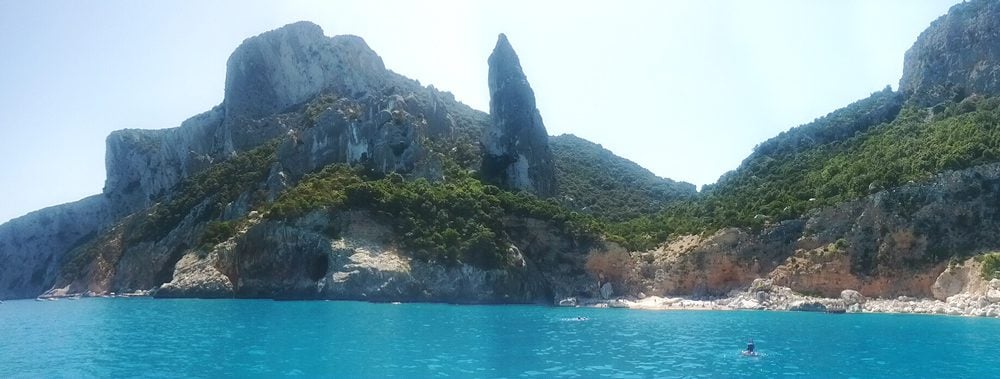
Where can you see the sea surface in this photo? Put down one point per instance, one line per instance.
(261, 338)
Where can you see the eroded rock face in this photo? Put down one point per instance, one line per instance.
(195, 276)
(895, 242)
(352, 255)
(380, 132)
(962, 278)
(283, 68)
(265, 76)
(270, 77)
(289, 65)
(730, 259)
(959, 54)
(517, 153)
(32, 246)
(142, 165)
(116, 261)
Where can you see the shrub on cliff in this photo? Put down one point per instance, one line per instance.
(595, 181)
(218, 231)
(990, 265)
(223, 181)
(326, 188)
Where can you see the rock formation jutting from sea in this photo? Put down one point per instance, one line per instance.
(225, 204)
(323, 174)
(517, 152)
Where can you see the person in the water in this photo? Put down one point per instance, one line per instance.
(750, 348)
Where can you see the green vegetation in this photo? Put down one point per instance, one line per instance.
(326, 188)
(991, 265)
(839, 125)
(872, 144)
(807, 168)
(593, 180)
(458, 220)
(217, 232)
(224, 181)
(841, 244)
(910, 148)
(782, 179)
(791, 173)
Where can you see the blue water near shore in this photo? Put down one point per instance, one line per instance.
(260, 338)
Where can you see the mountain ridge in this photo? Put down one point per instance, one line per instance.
(325, 175)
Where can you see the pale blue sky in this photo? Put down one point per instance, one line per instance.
(684, 88)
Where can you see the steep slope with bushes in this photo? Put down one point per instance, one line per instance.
(595, 181)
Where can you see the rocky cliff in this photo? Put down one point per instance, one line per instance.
(516, 146)
(958, 55)
(817, 221)
(32, 247)
(893, 243)
(189, 211)
(363, 261)
(331, 99)
(143, 165)
(271, 72)
(269, 78)
(325, 175)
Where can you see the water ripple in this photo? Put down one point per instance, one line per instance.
(254, 338)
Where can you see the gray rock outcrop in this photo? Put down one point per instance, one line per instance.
(993, 292)
(959, 54)
(516, 145)
(607, 291)
(196, 277)
(807, 306)
(380, 132)
(302, 259)
(852, 297)
(289, 65)
(266, 75)
(34, 245)
(143, 165)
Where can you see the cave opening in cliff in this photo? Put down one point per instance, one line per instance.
(318, 266)
(166, 273)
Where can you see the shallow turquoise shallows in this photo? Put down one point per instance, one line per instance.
(260, 338)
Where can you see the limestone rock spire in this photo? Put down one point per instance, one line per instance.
(516, 145)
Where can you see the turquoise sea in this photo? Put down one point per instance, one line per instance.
(262, 338)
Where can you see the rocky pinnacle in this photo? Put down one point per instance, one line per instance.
(516, 145)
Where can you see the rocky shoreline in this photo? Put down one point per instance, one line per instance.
(763, 296)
